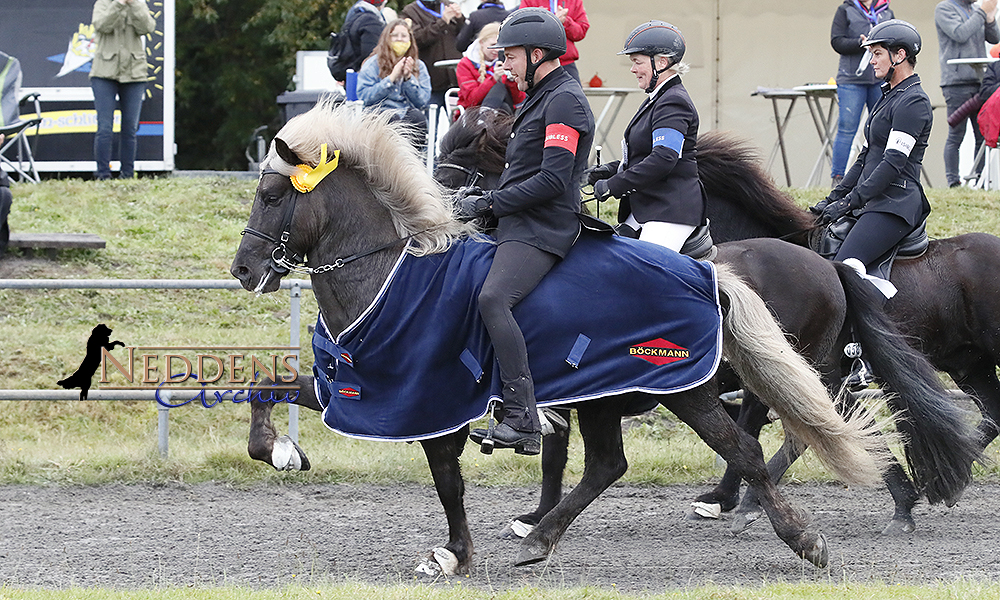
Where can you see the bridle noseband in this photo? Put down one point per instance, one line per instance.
(472, 175)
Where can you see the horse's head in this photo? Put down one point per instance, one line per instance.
(472, 150)
(337, 186)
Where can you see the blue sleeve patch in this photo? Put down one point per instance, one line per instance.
(671, 138)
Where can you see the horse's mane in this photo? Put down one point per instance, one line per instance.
(730, 169)
(387, 161)
(463, 144)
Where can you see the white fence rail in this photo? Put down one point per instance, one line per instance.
(294, 286)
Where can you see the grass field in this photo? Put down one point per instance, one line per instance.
(189, 229)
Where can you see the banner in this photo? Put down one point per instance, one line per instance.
(54, 41)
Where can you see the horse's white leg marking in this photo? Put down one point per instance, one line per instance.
(284, 455)
(442, 561)
(706, 510)
(520, 528)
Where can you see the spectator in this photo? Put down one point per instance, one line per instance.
(363, 27)
(487, 12)
(119, 71)
(394, 78)
(477, 79)
(574, 19)
(962, 30)
(856, 83)
(436, 24)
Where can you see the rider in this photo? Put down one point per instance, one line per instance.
(657, 179)
(536, 205)
(883, 188)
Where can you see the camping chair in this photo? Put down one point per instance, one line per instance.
(451, 105)
(16, 153)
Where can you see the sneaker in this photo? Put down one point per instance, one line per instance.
(528, 443)
(860, 377)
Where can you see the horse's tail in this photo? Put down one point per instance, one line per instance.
(756, 347)
(938, 438)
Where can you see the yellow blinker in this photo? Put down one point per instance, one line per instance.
(309, 178)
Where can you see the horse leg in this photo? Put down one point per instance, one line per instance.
(442, 456)
(980, 381)
(604, 463)
(726, 495)
(555, 451)
(744, 454)
(264, 443)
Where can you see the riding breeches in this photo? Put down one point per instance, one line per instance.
(516, 271)
(669, 235)
(873, 235)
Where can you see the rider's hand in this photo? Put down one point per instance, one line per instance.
(836, 210)
(598, 172)
(473, 202)
(817, 209)
(601, 191)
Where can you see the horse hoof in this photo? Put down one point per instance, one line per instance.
(819, 554)
(702, 511)
(531, 554)
(899, 527)
(442, 561)
(517, 530)
(742, 521)
(287, 456)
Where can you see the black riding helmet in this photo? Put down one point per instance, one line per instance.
(894, 33)
(653, 38)
(532, 28)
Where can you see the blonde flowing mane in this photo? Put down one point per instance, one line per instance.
(387, 161)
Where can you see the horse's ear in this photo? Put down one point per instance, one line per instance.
(285, 152)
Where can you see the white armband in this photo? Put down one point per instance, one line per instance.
(900, 141)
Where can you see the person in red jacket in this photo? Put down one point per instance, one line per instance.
(574, 20)
(477, 81)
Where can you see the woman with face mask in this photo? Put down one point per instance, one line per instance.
(394, 78)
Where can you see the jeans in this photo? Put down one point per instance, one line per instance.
(851, 97)
(129, 95)
(954, 97)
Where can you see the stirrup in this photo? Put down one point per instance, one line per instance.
(860, 377)
(486, 446)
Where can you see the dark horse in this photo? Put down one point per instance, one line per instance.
(348, 232)
(817, 312)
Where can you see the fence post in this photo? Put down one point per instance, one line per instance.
(295, 290)
(163, 426)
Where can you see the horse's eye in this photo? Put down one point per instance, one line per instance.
(270, 199)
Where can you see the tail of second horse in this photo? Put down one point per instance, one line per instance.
(755, 345)
(939, 441)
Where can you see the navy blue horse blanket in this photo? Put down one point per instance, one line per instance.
(616, 315)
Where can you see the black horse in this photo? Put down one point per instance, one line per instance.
(350, 216)
(817, 312)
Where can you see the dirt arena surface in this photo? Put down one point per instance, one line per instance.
(632, 538)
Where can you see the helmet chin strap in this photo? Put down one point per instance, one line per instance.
(656, 74)
(529, 71)
(892, 70)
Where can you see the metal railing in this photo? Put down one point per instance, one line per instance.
(295, 287)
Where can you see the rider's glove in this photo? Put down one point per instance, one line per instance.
(601, 191)
(473, 202)
(599, 172)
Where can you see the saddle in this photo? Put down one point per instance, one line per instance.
(698, 246)
(826, 241)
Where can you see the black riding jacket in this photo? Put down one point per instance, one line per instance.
(539, 194)
(886, 176)
(659, 178)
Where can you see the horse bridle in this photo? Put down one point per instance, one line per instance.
(472, 175)
(280, 262)
(280, 256)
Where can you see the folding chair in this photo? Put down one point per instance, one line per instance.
(16, 154)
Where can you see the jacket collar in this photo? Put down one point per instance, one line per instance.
(551, 81)
(651, 100)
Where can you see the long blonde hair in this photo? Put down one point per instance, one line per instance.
(385, 55)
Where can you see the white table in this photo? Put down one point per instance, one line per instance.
(606, 118)
(825, 121)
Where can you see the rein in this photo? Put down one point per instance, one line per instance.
(473, 175)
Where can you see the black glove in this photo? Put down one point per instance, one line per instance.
(473, 202)
(835, 210)
(601, 191)
(599, 172)
(818, 208)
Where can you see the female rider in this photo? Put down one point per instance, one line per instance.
(657, 178)
(883, 187)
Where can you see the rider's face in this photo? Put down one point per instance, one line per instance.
(516, 63)
(643, 70)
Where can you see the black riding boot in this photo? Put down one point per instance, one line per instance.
(520, 428)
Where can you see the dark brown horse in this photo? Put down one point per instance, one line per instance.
(344, 222)
(817, 312)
